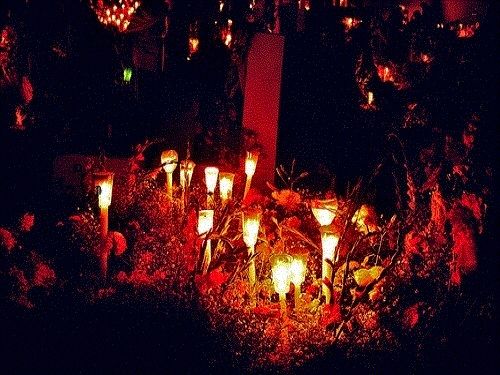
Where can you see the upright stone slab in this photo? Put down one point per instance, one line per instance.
(262, 100)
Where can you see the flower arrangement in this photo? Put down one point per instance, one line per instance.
(363, 304)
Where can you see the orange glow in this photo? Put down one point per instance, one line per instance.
(281, 273)
(115, 16)
(226, 186)
(103, 181)
(324, 210)
(193, 45)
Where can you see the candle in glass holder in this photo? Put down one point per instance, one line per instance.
(205, 225)
(251, 224)
(324, 210)
(250, 167)
(211, 176)
(280, 267)
(298, 274)
(169, 160)
(329, 242)
(226, 186)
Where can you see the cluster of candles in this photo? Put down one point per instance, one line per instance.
(285, 268)
(117, 14)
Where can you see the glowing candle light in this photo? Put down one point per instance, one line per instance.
(250, 167)
(324, 210)
(205, 225)
(251, 224)
(386, 74)
(370, 98)
(211, 176)
(298, 269)
(169, 159)
(329, 242)
(280, 267)
(127, 75)
(193, 45)
(103, 182)
(226, 186)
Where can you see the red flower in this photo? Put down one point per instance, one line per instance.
(267, 311)
(411, 316)
(292, 222)
(214, 279)
(44, 275)
(27, 221)
(119, 243)
(330, 315)
(254, 198)
(7, 240)
(464, 243)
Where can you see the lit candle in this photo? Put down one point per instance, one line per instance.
(251, 224)
(211, 175)
(281, 265)
(103, 182)
(226, 186)
(324, 210)
(329, 242)
(298, 274)
(386, 74)
(169, 160)
(250, 167)
(205, 225)
(370, 98)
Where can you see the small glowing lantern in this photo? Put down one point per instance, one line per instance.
(169, 159)
(251, 224)
(281, 265)
(211, 176)
(127, 75)
(329, 242)
(324, 210)
(226, 186)
(250, 167)
(298, 269)
(103, 182)
(205, 225)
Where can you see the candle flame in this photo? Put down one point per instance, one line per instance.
(104, 184)
(226, 185)
(298, 270)
(281, 273)
(205, 221)
(211, 174)
(329, 242)
(251, 224)
(251, 162)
